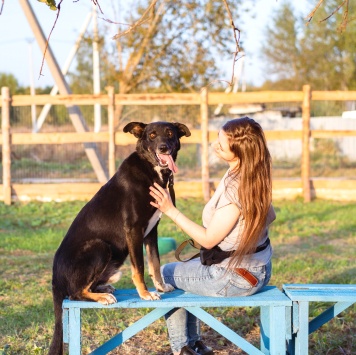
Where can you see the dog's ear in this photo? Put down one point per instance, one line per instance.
(183, 130)
(135, 128)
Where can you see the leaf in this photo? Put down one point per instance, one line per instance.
(51, 3)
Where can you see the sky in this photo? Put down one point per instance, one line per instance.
(21, 56)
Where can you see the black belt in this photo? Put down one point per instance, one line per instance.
(263, 246)
(214, 255)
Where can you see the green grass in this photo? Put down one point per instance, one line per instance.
(313, 243)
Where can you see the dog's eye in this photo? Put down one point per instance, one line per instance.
(153, 135)
(169, 134)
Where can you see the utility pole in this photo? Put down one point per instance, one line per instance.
(32, 84)
(96, 70)
(64, 89)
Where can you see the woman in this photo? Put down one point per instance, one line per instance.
(236, 255)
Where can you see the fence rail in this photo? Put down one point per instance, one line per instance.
(282, 188)
(214, 98)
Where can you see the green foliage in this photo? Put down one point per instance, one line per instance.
(9, 81)
(82, 79)
(281, 49)
(328, 53)
(175, 50)
(50, 3)
(318, 54)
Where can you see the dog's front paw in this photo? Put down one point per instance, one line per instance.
(106, 299)
(150, 296)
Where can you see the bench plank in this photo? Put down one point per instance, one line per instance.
(272, 301)
(130, 299)
(321, 292)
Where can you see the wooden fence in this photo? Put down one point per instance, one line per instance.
(306, 186)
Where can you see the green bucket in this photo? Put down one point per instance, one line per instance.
(165, 245)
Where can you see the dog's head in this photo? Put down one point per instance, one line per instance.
(158, 142)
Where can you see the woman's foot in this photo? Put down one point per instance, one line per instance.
(200, 348)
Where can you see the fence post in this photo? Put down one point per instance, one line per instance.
(204, 109)
(6, 144)
(111, 117)
(306, 143)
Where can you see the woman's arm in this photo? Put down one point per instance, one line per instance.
(221, 224)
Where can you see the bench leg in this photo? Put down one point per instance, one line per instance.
(74, 334)
(265, 329)
(224, 331)
(328, 315)
(65, 321)
(289, 335)
(273, 330)
(301, 328)
(133, 329)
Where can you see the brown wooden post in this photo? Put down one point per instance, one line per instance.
(204, 119)
(306, 143)
(6, 144)
(111, 118)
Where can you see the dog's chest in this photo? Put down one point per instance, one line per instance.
(164, 177)
(152, 222)
(158, 169)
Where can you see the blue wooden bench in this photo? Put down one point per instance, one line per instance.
(274, 309)
(343, 296)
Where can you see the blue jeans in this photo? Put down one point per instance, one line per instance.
(192, 276)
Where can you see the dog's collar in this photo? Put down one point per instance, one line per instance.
(163, 174)
(171, 180)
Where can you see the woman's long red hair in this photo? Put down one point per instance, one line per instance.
(253, 172)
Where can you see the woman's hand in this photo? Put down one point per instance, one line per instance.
(223, 221)
(162, 198)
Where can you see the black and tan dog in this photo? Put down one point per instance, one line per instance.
(116, 223)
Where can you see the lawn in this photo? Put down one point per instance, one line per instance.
(313, 243)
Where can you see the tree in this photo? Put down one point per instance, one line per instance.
(81, 81)
(329, 53)
(11, 82)
(318, 54)
(281, 49)
(178, 49)
(343, 5)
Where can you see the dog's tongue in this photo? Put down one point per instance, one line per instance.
(169, 160)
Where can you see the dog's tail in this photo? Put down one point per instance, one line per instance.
(56, 347)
